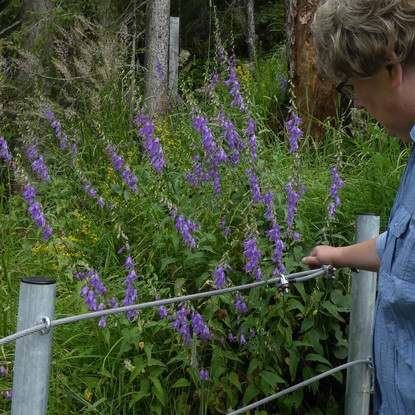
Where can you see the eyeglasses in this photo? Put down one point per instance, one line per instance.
(346, 90)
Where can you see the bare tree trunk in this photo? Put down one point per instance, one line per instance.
(33, 14)
(250, 30)
(37, 8)
(316, 99)
(157, 54)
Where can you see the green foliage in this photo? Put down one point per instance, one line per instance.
(141, 366)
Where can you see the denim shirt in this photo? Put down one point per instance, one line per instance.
(394, 330)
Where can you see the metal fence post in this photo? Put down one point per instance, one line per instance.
(174, 55)
(33, 352)
(361, 324)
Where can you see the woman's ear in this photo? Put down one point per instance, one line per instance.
(396, 72)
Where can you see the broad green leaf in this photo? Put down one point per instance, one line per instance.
(317, 358)
(308, 374)
(194, 258)
(271, 378)
(251, 392)
(313, 336)
(307, 324)
(181, 383)
(341, 352)
(331, 308)
(293, 362)
(117, 189)
(294, 304)
(167, 261)
(144, 392)
(233, 379)
(298, 396)
(255, 363)
(158, 390)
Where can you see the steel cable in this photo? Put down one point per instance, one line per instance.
(299, 386)
(295, 277)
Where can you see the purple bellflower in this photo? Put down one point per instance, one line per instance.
(185, 227)
(199, 327)
(239, 304)
(253, 254)
(4, 150)
(294, 132)
(334, 192)
(180, 324)
(203, 375)
(146, 129)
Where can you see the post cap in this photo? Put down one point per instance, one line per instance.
(39, 280)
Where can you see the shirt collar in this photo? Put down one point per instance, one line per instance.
(412, 133)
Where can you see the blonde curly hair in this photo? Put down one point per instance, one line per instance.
(353, 38)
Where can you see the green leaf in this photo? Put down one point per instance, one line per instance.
(166, 261)
(298, 396)
(293, 362)
(158, 390)
(117, 189)
(300, 288)
(194, 258)
(144, 392)
(307, 324)
(313, 336)
(232, 356)
(271, 378)
(255, 363)
(338, 376)
(341, 352)
(331, 308)
(251, 392)
(294, 304)
(233, 379)
(181, 383)
(156, 362)
(317, 358)
(95, 405)
(341, 301)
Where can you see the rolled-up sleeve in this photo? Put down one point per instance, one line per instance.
(380, 244)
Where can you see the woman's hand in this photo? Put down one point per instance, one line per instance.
(361, 256)
(322, 255)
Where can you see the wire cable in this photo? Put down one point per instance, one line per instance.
(299, 386)
(295, 277)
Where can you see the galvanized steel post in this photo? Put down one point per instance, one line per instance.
(361, 324)
(33, 352)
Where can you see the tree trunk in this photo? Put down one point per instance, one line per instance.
(157, 54)
(250, 30)
(34, 17)
(35, 8)
(315, 99)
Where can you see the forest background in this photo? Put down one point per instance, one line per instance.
(232, 180)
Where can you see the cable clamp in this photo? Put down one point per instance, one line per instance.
(47, 323)
(329, 271)
(283, 285)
